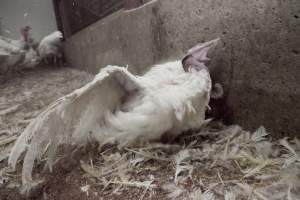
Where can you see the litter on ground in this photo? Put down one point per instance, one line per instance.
(216, 162)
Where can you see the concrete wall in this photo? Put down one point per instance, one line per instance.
(38, 14)
(258, 59)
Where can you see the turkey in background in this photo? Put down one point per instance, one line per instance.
(16, 55)
(13, 52)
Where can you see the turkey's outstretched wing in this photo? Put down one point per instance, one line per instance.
(71, 119)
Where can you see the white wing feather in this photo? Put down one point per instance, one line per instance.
(70, 119)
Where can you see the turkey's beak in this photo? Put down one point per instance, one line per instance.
(196, 58)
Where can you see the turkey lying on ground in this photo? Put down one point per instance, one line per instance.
(120, 107)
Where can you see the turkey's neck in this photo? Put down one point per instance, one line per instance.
(24, 35)
(190, 63)
(23, 41)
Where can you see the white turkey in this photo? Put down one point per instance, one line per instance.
(120, 107)
(50, 48)
(31, 59)
(13, 52)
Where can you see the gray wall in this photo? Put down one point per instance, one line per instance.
(258, 59)
(40, 16)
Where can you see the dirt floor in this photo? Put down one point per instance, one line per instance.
(217, 162)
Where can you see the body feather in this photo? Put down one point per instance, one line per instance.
(51, 46)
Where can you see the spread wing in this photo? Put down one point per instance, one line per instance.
(72, 118)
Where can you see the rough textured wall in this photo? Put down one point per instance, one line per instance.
(120, 39)
(258, 59)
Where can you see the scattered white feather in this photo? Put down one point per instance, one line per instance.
(229, 195)
(182, 165)
(173, 190)
(259, 134)
(199, 195)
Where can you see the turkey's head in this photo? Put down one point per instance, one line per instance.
(58, 34)
(196, 57)
(25, 33)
